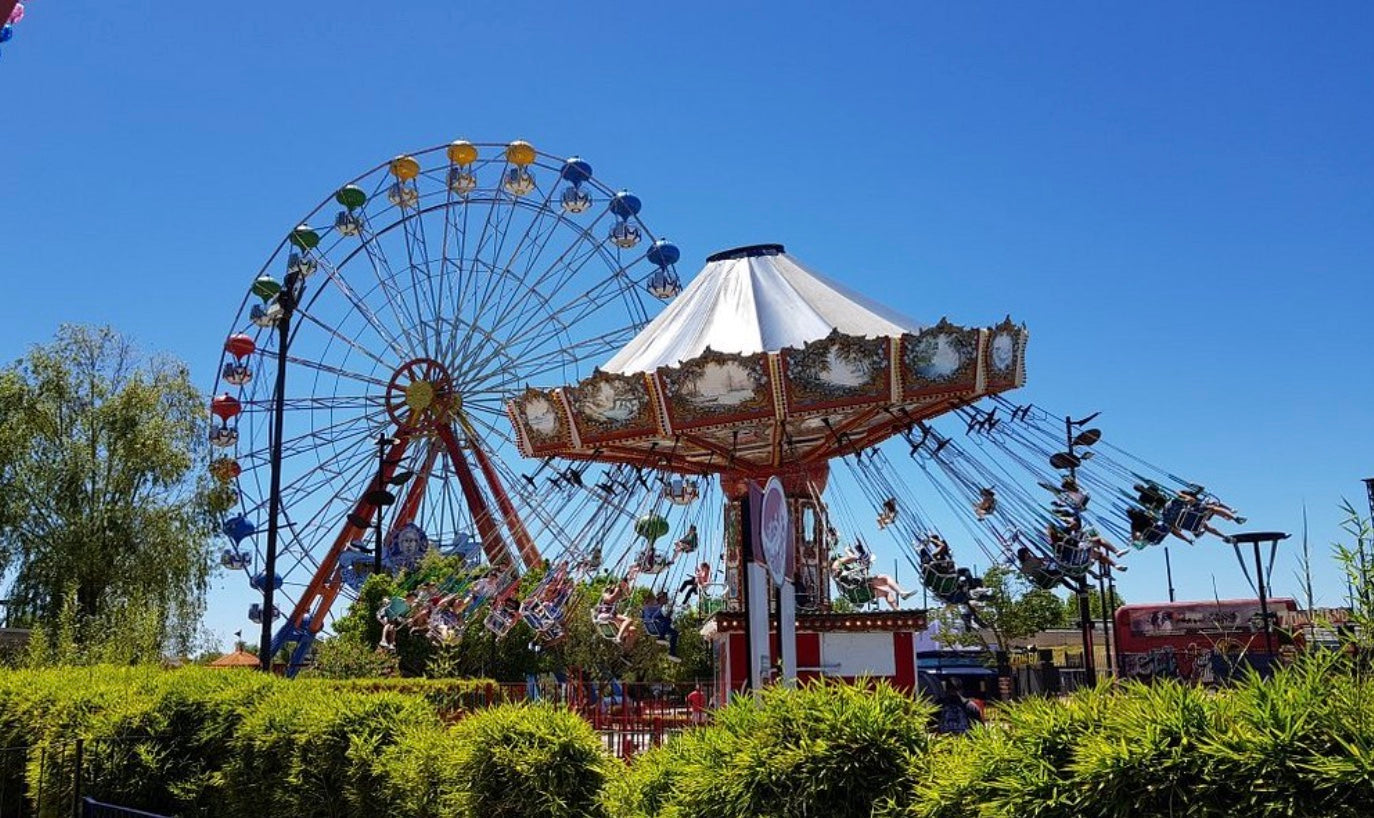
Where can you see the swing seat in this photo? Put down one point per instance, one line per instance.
(1042, 579)
(500, 621)
(1155, 535)
(858, 594)
(397, 608)
(552, 634)
(654, 621)
(607, 630)
(1073, 560)
(655, 566)
(941, 585)
(1194, 519)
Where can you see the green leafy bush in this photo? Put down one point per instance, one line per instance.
(522, 760)
(301, 754)
(822, 749)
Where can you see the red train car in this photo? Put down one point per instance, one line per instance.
(1193, 640)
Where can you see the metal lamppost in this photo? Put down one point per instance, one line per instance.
(1085, 616)
(380, 497)
(1255, 538)
(293, 287)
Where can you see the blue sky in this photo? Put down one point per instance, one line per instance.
(1176, 199)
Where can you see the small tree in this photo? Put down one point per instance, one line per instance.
(1094, 605)
(1012, 609)
(107, 513)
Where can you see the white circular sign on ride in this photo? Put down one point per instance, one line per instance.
(774, 530)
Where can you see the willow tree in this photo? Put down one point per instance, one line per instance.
(104, 517)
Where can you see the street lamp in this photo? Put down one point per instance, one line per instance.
(292, 288)
(380, 497)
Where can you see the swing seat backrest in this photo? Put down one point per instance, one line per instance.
(1041, 578)
(1073, 558)
(500, 621)
(858, 594)
(397, 608)
(653, 621)
(1194, 519)
(1173, 512)
(938, 583)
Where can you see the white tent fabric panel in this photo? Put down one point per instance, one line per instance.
(757, 303)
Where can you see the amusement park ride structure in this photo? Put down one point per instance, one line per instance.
(763, 369)
(424, 325)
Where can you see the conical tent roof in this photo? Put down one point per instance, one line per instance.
(751, 300)
(763, 366)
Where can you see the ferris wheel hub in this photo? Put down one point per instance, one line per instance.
(420, 396)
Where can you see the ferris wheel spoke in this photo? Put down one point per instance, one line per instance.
(332, 402)
(335, 279)
(553, 358)
(341, 337)
(320, 366)
(417, 258)
(535, 338)
(584, 247)
(578, 308)
(534, 232)
(386, 278)
(519, 311)
(314, 436)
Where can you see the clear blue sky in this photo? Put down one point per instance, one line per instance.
(1178, 199)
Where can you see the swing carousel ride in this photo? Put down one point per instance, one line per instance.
(434, 296)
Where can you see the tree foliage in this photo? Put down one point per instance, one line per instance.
(1095, 598)
(479, 652)
(1013, 609)
(103, 516)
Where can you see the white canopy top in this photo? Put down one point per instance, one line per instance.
(752, 300)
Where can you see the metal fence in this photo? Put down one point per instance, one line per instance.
(77, 778)
(630, 717)
(91, 808)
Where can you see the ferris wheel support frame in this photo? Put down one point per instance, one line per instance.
(493, 544)
(307, 619)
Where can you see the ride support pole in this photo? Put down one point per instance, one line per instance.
(1168, 571)
(1102, 586)
(746, 556)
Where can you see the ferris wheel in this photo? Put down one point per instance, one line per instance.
(424, 294)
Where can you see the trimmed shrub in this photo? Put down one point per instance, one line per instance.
(516, 761)
(300, 754)
(822, 749)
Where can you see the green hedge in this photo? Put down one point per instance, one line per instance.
(832, 750)
(235, 743)
(1299, 744)
(220, 742)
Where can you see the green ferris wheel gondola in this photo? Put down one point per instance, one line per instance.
(305, 237)
(266, 287)
(351, 197)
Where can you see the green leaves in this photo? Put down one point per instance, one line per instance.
(103, 508)
(823, 749)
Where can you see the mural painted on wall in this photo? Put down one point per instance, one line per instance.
(608, 406)
(940, 360)
(717, 387)
(838, 369)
